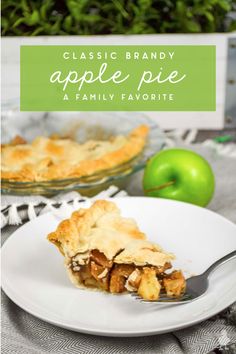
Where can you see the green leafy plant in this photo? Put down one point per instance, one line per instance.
(85, 17)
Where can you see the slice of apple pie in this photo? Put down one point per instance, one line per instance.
(106, 251)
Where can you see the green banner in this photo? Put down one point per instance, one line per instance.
(118, 78)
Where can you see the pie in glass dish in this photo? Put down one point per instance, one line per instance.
(105, 251)
(55, 158)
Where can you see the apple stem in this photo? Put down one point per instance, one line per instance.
(167, 184)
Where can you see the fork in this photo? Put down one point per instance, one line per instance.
(196, 286)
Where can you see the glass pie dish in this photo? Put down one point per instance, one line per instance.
(81, 127)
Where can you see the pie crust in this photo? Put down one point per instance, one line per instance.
(106, 251)
(53, 158)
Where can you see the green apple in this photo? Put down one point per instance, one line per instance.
(179, 174)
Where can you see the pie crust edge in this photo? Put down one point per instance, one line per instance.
(28, 173)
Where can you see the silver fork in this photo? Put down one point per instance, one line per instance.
(195, 286)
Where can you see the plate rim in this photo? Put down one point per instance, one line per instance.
(111, 333)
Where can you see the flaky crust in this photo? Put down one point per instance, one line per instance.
(102, 228)
(48, 159)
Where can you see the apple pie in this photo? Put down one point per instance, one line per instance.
(106, 251)
(55, 158)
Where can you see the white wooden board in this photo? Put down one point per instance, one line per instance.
(167, 120)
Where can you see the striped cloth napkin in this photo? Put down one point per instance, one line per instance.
(16, 209)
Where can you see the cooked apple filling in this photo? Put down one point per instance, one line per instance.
(108, 252)
(99, 272)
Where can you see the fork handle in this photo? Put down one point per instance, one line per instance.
(219, 262)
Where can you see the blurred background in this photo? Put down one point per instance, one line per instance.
(129, 22)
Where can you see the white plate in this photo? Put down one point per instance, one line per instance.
(33, 274)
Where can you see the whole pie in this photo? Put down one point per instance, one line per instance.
(106, 251)
(55, 158)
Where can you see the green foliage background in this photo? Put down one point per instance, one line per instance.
(84, 17)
